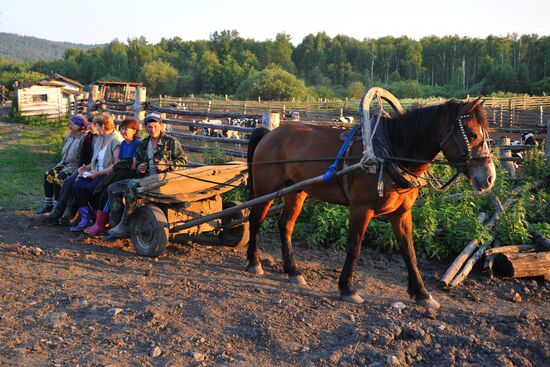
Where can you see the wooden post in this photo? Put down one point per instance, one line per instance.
(346, 105)
(139, 102)
(270, 120)
(244, 108)
(507, 165)
(284, 111)
(541, 118)
(92, 98)
(501, 113)
(71, 108)
(341, 112)
(511, 120)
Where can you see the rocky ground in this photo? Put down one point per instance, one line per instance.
(68, 301)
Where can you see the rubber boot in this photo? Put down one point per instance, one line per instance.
(100, 226)
(85, 219)
(122, 229)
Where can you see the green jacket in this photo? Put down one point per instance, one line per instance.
(168, 149)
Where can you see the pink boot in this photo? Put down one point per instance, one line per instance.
(100, 226)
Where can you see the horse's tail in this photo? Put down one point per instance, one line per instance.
(253, 142)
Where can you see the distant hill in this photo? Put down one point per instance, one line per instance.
(25, 48)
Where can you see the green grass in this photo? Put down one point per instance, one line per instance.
(24, 160)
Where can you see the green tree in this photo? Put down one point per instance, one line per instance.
(207, 72)
(159, 77)
(273, 83)
(356, 90)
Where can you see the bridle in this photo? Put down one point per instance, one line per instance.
(461, 141)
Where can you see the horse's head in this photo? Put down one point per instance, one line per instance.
(465, 144)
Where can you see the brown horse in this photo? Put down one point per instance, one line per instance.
(458, 129)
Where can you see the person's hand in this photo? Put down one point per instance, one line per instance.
(161, 165)
(82, 169)
(93, 175)
(142, 168)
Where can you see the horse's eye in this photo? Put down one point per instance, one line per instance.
(472, 136)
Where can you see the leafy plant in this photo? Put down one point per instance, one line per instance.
(512, 226)
(214, 155)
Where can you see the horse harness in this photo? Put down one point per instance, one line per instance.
(466, 149)
(388, 162)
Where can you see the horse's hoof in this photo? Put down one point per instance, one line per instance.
(429, 303)
(353, 298)
(255, 269)
(297, 279)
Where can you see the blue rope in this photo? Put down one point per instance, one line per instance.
(328, 174)
(107, 207)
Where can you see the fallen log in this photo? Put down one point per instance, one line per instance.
(469, 265)
(473, 244)
(512, 249)
(492, 252)
(457, 263)
(520, 265)
(539, 238)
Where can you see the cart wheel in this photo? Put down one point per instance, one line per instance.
(238, 235)
(149, 231)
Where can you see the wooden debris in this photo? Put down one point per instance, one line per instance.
(468, 266)
(457, 264)
(513, 249)
(539, 238)
(520, 265)
(473, 245)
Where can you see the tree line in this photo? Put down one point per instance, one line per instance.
(320, 66)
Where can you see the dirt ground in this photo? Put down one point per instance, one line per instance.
(71, 301)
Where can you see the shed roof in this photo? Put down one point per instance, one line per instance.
(54, 81)
(114, 82)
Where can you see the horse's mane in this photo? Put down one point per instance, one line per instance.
(420, 124)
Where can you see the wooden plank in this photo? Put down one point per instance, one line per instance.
(209, 126)
(262, 199)
(210, 138)
(184, 184)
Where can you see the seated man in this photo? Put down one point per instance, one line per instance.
(158, 153)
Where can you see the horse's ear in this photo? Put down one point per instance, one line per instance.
(470, 106)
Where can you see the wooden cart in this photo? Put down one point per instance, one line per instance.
(161, 203)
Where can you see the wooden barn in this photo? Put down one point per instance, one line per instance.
(50, 96)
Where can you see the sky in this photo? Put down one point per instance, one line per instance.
(101, 21)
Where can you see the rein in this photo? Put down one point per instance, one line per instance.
(463, 144)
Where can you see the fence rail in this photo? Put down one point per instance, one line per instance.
(513, 115)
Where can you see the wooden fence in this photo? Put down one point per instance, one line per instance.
(511, 115)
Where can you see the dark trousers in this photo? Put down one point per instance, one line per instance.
(115, 199)
(66, 192)
(83, 191)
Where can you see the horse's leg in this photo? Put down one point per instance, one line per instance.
(257, 216)
(293, 207)
(359, 218)
(402, 227)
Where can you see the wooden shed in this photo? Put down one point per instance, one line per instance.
(50, 96)
(115, 91)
